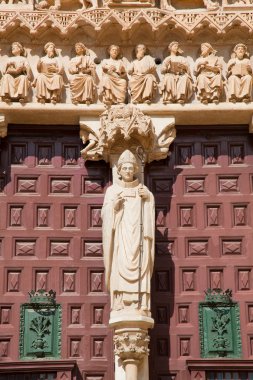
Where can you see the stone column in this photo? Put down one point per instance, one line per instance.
(131, 341)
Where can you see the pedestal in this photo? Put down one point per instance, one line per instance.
(131, 342)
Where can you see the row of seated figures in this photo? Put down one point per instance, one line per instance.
(176, 86)
(171, 5)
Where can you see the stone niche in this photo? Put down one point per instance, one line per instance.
(189, 4)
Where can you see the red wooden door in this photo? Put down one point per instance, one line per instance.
(50, 237)
(204, 239)
(50, 230)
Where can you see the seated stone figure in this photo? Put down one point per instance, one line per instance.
(113, 84)
(143, 83)
(64, 4)
(208, 70)
(82, 68)
(176, 86)
(16, 78)
(239, 75)
(211, 5)
(49, 82)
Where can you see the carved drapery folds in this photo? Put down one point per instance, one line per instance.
(176, 86)
(113, 83)
(142, 71)
(82, 83)
(49, 82)
(240, 75)
(91, 80)
(16, 78)
(208, 70)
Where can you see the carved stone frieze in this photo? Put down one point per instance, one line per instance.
(221, 21)
(123, 127)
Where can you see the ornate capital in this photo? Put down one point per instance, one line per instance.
(131, 345)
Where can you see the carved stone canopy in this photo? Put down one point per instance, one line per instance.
(126, 127)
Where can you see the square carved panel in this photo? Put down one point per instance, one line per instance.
(18, 154)
(93, 186)
(184, 154)
(197, 248)
(92, 249)
(188, 280)
(194, 185)
(237, 154)
(210, 154)
(96, 282)
(60, 185)
(186, 216)
(59, 248)
(26, 185)
(162, 186)
(5, 315)
(228, 184)
(240, 215)
(25, 248)
(165, 248)
(45, 153)
(232, 246)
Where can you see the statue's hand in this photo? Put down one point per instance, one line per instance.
(143, 193)
(118, 202)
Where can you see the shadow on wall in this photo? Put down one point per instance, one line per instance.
(161, 177)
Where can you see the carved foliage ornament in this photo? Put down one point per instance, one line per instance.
(125, 127)
(131, 345)
(40, 326)
(219, 325)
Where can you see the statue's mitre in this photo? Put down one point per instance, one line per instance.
(127, 156)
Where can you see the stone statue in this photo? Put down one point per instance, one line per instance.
(209, 4)
(166, 4)
(113, 84)
(58, 4)
(143, 81)
(239, 75)
(82, 86)
(16, 78)
(176, 86)
(121, 213)
(208, 70)
(49, 82)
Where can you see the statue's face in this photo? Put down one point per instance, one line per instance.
(114, 51)
(79, 50)
(140, 51)
(204, 50)
(127, 172)
(15, 49)
(50, 50)
(174, 48)
(240, 51)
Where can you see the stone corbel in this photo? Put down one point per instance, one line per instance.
(165, 133)
(3, 126)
